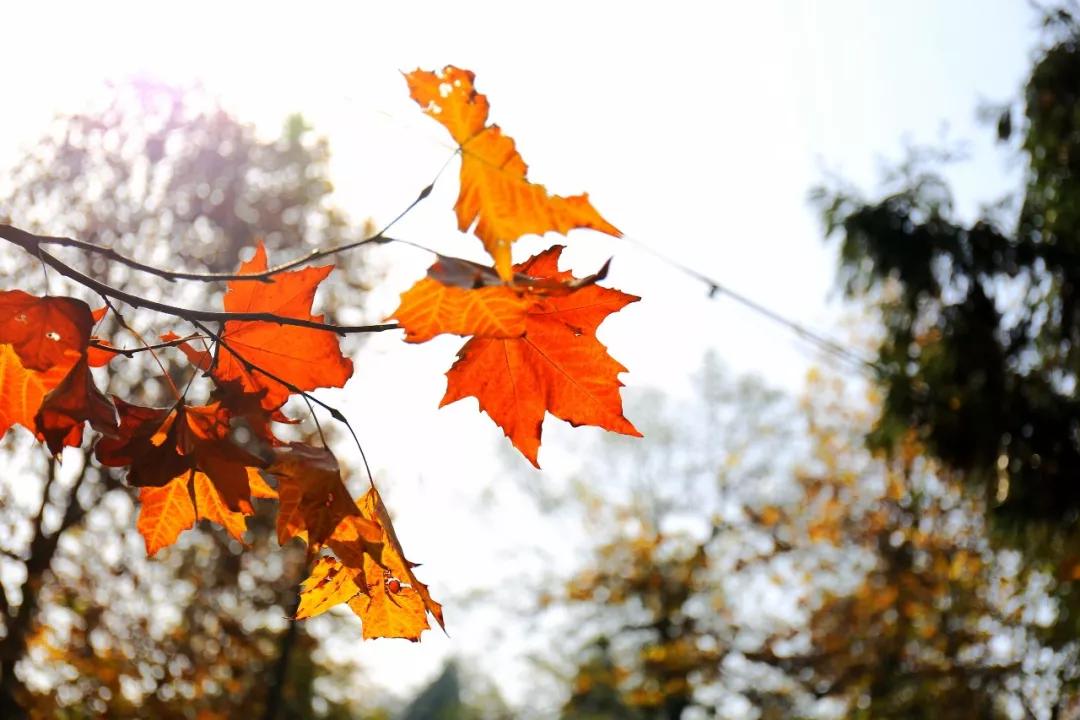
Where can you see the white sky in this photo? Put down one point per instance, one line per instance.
(697, 128)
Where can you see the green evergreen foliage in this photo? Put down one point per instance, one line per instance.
(981, 350)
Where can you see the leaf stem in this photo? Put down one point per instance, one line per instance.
(130, 352)
(308, 397)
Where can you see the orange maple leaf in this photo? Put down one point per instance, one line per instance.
(156, 441)
(464, 298)
(248, 408)
(467, 275)
(98, 356)
(168, 511)
(557, 366)
(398, 604)
(494, 192)
(383, 592)
(165, 512)
(306, 357)
(313, 499)
(429, 308)
(23, 389)
(330, 583)
(202, 359)
(188, 467)
(204, 436)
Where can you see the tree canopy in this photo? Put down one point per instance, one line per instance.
(981, 350)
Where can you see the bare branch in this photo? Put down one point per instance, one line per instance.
(267, 275)
(173, 275)
(308, 397)
(27, 242)
(130, 352)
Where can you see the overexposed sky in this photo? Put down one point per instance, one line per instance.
(697, 128)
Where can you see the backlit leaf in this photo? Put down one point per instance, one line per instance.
(558, 366)
(383, 592)
(305, 357)
(495, 194)
(23, 389)
(167, 511)
(187, 463)
(43, 331)
(313, 497)
(329, 584)
(41, 340)
(429, 308)
(72, 403)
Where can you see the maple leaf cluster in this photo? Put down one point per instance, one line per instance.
(532, 349)
(186, 460)
(532, 346)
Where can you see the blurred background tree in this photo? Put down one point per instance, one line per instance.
(788, 572)
(91, 627)
(980, 354)
(981, 350)
(938, 624)
(456, 695)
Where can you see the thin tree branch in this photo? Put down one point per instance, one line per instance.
(252, 367)
(50, 478)
(26, 241)
(287, 644)
(423, 194)
(138, 336)
(130, 352)
(380, 238)
(39, 558)
(715, 288)
(173, 275)
(308, 397)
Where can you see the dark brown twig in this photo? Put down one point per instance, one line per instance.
(28, 242)
(380, 238)
(130, 352)
(252, 367)
(172, 275)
